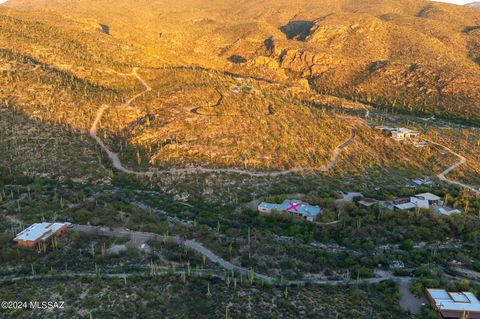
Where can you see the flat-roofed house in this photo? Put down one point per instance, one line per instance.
(402, 133)
(431, 198)
(420, 203)
(40, 232)
(410, 203)
(405, 206)
(454, 304)
(293, 207)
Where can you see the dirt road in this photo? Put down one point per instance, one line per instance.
(408, 300)
(114, 158)
(117, 163)
(463, 160)
(201, 249)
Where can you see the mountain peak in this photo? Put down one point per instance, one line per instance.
(475, 4)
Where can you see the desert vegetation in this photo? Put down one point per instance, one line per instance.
(176, 119)
(194, 116)
(172, 297)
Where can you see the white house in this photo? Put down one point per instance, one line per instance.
(410, 203)
(419, 202)
(424, 200)
(454, 304)
(431, 198)
(405, 206)
(402, 133)
(399, 133)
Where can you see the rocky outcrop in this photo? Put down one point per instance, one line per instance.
(354, 35)
(335, 41)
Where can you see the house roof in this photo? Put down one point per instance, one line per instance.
(368, 202)
(418, 181)
(402, 200)
(447, 211)
(268, 206)
(294, 206)
(454, 301)
(396, 129)
(420, 203)
(406, 206)
(404, 130)
(39, 231)
(428, 196)
(411, 203)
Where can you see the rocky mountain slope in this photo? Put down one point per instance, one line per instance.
(475, 4)
(264, 86)
(413, 55)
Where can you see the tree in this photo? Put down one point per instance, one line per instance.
(407, 244)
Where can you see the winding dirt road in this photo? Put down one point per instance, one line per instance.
(463, 160)
(201, 249)
(117, 163)
(196, 110)
(114, 158)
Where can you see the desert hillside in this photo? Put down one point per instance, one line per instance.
(238, 159)
(191, 116)
(412, 55)
(266, 86)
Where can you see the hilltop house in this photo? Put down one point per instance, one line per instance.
(293, 207)
(431, 198)
(40, 232)
(424, 200)
(399, 133)
(410, 203)
(420, 202)
(454, 304)
(402, 133)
